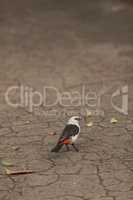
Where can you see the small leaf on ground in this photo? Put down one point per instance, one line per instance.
(6, 163)
(15, 148)
(113, 120)
(90, 124)
(89, 113)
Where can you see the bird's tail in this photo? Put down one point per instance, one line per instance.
(57, 147)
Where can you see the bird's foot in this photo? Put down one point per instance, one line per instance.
(67, 148)
(75, 148)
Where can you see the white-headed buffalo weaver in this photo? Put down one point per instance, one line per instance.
(69, 135)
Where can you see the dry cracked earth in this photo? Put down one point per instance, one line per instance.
(69, 45)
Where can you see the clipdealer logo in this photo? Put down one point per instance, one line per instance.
(31, 99)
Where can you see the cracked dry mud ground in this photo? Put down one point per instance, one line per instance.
(66, 44)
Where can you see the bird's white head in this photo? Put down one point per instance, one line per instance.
(74, 120)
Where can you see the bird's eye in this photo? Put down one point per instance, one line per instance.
(77, 118)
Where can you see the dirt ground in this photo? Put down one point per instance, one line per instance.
(70, 46)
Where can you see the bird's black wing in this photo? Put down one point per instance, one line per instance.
(69, 130)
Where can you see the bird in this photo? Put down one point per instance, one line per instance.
(69, 135)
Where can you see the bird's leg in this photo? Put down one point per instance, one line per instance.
(76, 149)
(67, 147)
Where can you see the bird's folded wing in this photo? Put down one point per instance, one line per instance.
(69, 130)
